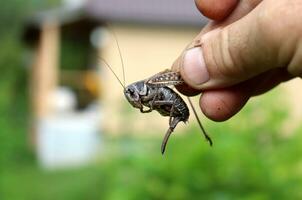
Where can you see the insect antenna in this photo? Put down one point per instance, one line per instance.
(121, 57)
(199, 123)
(108, 66)
(119, 51)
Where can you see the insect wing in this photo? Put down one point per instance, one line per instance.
(165, 78)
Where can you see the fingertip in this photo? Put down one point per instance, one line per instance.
(220, 105)
(216, 9)
(193, 69)
(183, 88)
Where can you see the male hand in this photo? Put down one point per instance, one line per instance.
(250, 47)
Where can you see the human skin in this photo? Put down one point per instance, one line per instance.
(249, 47)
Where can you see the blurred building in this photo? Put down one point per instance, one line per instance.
(75, 97)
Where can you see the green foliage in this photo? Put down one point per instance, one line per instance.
(14, 115)
(13, 79)
(74, 56)
(251, 159)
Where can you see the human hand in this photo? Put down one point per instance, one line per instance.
(250, 47)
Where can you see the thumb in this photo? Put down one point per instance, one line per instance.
(242, 50)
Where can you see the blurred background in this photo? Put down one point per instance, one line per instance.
(66, 131)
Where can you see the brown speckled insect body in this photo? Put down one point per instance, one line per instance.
(154, 94)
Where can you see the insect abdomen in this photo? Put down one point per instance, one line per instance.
(180, 108)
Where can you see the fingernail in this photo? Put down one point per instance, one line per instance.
(194, 67)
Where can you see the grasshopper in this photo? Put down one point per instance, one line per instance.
(154, 93)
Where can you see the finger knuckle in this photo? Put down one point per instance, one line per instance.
(227, 58)
(278, 19)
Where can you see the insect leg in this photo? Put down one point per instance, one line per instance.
(142, 109)
(170, 120)
(199, 123)
(145, 111)
(153, 100)
(173, 121)
(150, 104)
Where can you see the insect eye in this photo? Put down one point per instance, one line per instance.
(130, 91)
